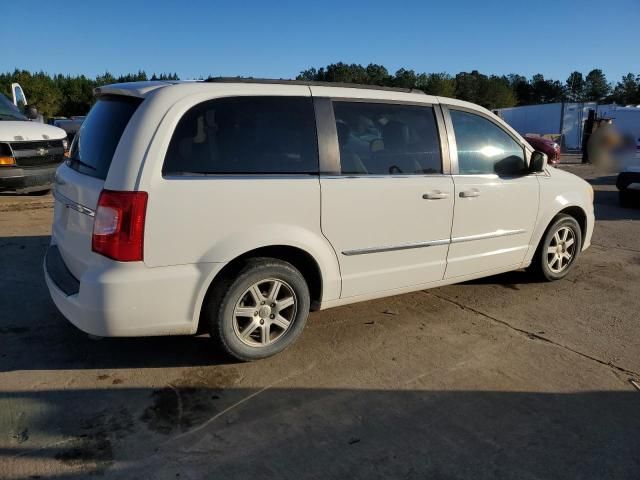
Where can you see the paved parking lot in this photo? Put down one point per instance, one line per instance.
(497, 378)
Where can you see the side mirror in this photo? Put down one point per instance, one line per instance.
(538, 162)
(31, 112)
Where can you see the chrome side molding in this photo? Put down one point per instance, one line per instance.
(68, 203)
(483, 236)
(431, 243)
(391, 248)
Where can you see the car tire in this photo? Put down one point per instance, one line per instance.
(249, 318)
(558, 249)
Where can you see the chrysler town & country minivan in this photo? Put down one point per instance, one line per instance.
(236, 207)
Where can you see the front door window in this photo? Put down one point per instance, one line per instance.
(485, 148)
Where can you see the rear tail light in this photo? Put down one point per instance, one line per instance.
(118, 226)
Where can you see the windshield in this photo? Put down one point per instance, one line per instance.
(8, 111)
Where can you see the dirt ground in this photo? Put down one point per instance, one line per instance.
(502, 377)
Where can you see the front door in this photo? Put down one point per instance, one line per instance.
(388, 211)
(496, 200)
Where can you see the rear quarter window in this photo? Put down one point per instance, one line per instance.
(245, 135)
(94, 145)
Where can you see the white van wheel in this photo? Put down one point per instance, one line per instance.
(558, 249)
(259, 311)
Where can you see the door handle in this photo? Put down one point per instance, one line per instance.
(436, 195)
(474, 192)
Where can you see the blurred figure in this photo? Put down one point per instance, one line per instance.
(604, 139)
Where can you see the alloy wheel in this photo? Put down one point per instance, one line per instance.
(561, 249)
(264, 312)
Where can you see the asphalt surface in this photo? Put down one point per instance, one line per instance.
(502, 377)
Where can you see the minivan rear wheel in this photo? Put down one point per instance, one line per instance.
(260, 310)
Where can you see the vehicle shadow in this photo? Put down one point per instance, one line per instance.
(603, 180)
(607, 206)
(17, 195)
(35, 336)
(606, 200)
(512, 278)
(287, 433)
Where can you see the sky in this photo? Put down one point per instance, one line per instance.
(276, 39)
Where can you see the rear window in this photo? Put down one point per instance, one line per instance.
(97, 139)
(387, 139)
(245, 135)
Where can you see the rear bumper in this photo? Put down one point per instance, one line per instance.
(27, 179)
(130, 299)
(59, 273)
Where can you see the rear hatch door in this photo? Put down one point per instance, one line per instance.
(81, 178)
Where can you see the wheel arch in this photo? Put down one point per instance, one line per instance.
(302, 260)
(575, 211)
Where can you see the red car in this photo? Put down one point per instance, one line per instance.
(551, 148)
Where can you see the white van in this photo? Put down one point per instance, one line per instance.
(238, 206)
(30, 151)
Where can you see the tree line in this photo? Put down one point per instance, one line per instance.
(67, 95)
(490, 91)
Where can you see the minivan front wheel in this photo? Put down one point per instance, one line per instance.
(559, 248)
(260, 310)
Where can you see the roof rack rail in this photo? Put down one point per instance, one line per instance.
(272, 81)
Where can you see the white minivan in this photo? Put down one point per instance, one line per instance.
(237, 206)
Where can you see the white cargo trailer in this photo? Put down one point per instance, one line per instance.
(568, 120)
